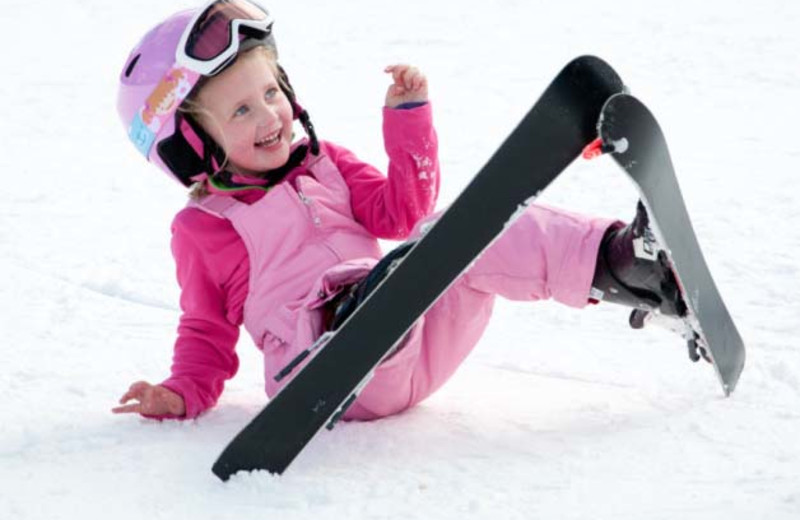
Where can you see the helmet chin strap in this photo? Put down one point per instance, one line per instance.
(208, 159)
(223, 180)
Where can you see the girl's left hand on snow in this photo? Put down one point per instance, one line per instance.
(409, 85)
(154, 400)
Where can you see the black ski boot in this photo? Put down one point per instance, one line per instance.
(634, 271)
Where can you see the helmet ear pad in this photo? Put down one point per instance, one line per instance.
(190, 152)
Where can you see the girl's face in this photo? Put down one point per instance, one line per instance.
(248, 114)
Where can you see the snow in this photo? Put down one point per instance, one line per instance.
(558, 414)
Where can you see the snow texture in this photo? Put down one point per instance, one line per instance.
(558, 414)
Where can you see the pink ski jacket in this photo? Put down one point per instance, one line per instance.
(271, 260)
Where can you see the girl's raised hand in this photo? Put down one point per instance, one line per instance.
(409, 85)
(151, 400)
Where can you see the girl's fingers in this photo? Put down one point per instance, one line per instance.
(150, 400)
(135, 391)
(398, 72)
(128, 396)
(397, 77)
(129, 408)
(139, 386)
(408, 84)
(416, 79)
(413, 79)
(138, 392)
(407, 77)
(397, 67)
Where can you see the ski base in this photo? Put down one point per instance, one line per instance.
(630, 132)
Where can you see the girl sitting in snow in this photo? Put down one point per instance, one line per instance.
(280, 236)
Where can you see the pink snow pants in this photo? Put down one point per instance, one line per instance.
(546, 253)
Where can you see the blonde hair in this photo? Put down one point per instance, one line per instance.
(191, 107)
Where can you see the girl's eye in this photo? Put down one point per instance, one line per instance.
(271, 93)
(242, 110)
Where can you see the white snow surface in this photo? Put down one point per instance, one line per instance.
(559, 413)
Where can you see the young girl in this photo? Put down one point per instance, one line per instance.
(280, 236)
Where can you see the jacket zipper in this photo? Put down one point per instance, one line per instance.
(310, 205)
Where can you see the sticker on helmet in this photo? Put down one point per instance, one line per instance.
(141, 136)
(164, 99)
(159, 106)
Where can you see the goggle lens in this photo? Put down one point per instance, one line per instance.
(212, 34)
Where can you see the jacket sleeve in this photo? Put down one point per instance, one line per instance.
(204, 354)
(389, 206)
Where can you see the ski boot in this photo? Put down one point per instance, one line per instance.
(634, 270)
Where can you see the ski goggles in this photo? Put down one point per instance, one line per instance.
(212, 38)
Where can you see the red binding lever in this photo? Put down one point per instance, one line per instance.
(594, 149)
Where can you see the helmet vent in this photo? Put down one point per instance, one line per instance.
(131, 65)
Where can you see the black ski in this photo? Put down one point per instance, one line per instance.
(548, 139)
(630, 131)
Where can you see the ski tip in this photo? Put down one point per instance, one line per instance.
(599, 69)
(222, 471)
(247, 457)
(624, 101)
(591, 59)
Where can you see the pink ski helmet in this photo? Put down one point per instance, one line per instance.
(167, 64)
